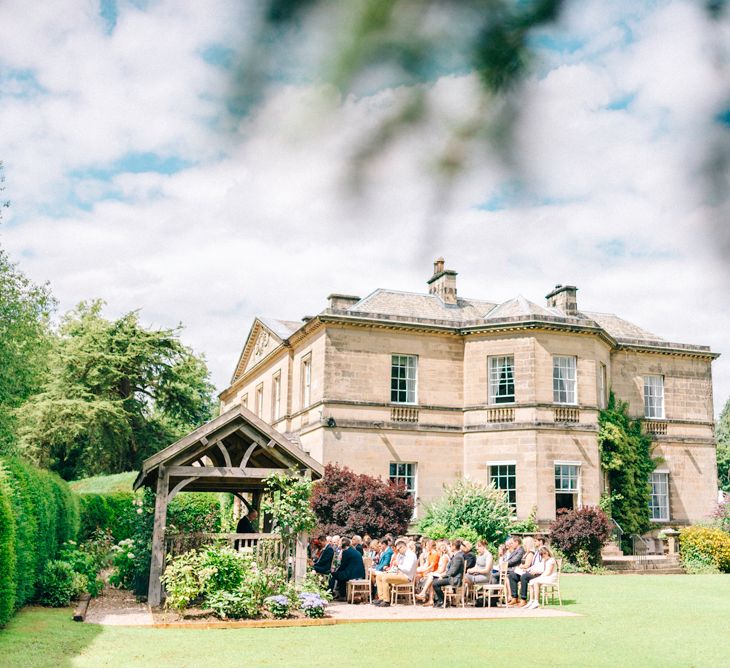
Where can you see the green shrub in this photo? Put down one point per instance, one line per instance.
(119, 512)
(7, 552)
(469, 504)
(60, 584)
(706, 546)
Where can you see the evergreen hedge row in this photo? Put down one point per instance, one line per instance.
(38, 513)
(118, 512)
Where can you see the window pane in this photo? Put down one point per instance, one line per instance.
(403, 379)
(654, 396)
(405, 473)
(659, 500)
(564, 379)
(501, 380)
(503, 477)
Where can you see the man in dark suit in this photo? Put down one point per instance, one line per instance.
(245, 525)
(323, 564)
(351, 568)
(452, 577)
(514, 559)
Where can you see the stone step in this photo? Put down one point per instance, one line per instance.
(652, 564)
(649, 571)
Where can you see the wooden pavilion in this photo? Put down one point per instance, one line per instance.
(234, 453)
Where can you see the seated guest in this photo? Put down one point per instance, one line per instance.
(549, 576)
(429, 559)
(452, 577)
(356, 542)
(373, 550)
(366, 540)
(514, 574)
(481, 572)
(323, 565)
(470, 559)
(385, 556)
(351, 568)
(403, 572)
(426, 593)
(535, 570)
(515, 552)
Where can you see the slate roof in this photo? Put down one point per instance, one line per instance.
(426, 309)
(392, 302)
(282, 328)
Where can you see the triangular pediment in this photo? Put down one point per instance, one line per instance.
(260, 343)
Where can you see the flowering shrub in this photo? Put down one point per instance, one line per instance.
(312, 605)
(123, 562)
(278, 605)
(580, 534)
(704, 546)
(468, 505)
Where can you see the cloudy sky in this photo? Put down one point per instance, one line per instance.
(130, 182)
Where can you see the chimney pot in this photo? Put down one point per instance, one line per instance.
(563, 297)
(443, 282)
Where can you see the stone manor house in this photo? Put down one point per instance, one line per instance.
(426, 388)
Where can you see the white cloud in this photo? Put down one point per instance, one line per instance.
(259, 225)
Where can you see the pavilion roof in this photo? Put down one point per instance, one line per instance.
(235, 452)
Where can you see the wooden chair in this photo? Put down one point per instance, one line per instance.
(456, 592)
(553, 588)
(359, 588)
(407, 589)
(501, 587)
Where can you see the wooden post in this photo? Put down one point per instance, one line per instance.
(154, 593)
(300, 557)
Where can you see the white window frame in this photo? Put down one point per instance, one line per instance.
(562, 375)
(411, 378)
(654, 397)
(663, 509)
(578, 491)
(490, 479)
(495, 368)
(276, 397)
(306, 380)
(405, 478)
(259, 402)
(602, 381)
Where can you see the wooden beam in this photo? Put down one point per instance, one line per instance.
(154, 592)
(248, 453)
(192, 455)
(177, 488)
(224, 451)
(220, 472)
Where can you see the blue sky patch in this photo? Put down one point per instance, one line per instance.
(219, 55)
(109, 12)
(20, 83)
(134, 163)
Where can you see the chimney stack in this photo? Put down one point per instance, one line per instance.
(563, 297)
(443, 282)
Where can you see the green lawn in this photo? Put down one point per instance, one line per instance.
(105, 484)
(634, 621)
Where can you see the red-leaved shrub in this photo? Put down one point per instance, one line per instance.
(580, 534)
(346, 502)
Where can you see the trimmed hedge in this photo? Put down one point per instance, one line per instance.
(43, 514)
(118, 512)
